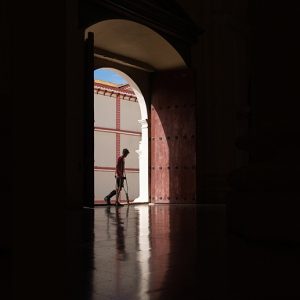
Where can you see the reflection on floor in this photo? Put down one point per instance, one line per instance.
(180, 252)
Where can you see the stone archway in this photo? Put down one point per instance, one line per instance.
(133, 45)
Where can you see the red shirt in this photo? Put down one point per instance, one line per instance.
(120, 166)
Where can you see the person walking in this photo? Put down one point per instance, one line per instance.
(119, 175)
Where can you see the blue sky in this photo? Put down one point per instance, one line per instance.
(108, 75)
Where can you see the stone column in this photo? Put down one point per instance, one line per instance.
(143, 164)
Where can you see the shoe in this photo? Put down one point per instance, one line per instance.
(119, 204)
(107, 200)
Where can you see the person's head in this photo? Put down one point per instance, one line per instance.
(125, 152)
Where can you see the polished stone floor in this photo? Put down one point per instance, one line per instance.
(181, 252)
(147, 252)
(155, 252)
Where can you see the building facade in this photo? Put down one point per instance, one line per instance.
(116, 116)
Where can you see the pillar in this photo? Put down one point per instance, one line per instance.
(143, 164)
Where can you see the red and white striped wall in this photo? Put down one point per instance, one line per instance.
(116, 127)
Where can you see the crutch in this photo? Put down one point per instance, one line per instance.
(118, 187)
(126, 190)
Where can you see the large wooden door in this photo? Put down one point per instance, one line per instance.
(173, 138)
(88, 199)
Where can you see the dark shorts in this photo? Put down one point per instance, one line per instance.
(120, 182)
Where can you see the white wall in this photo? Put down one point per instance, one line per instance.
(104, 111)
(105, 145)
(130, 114)
(131, 142)
(105, 149)
(104, 184)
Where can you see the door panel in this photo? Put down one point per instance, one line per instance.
(173, 133)
(88, 199)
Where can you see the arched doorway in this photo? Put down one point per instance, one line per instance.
(122, 121)
(151, 63)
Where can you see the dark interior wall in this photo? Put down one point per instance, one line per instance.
(74, 106)
(38, 87)
(247, 62)
(6, 129)
(74, 216)
(276, 61)
(45, 69)
(47, 128)
(6, 173)
(221, 60)
(268, 187)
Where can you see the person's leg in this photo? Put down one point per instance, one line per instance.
(119, 188)
(111, 194)
(118, 194)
